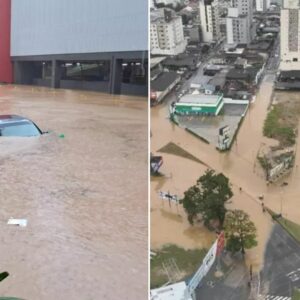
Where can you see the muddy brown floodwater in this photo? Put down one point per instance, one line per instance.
(239, 165)
(84, 196)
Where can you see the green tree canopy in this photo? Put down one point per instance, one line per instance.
(208, 198)
(240, 231)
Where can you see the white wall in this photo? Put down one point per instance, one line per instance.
(41, 27)
(229, 31)
(288, 57)
(167, 38)
(206, 23)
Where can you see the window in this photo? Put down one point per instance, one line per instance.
(22, 129)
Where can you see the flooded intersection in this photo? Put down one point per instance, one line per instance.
(240, 165)
(87, 217)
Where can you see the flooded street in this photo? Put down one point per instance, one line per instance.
(239, 165)
(169, 223)
(84, 195)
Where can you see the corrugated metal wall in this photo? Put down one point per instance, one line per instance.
(5, 64)
(41, 27)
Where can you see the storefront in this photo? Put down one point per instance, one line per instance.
(199, 104)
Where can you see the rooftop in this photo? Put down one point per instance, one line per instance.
(260, 45)
(219, 79)
(233, 50)
(242, 74)
(162, 15)
(200, 99)
(163, 81)
(181, 61)
(156, 60)
(155, 72)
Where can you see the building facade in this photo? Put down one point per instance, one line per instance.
(239, 25)
(209, 20)
(237, 28)
(199, 104)
(92, 45)
(262, 5)
(168, 2)
(290, 36)
(5, 63)
(166, 33)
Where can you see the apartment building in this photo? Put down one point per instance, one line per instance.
(166, 33)
(262, 5)
(290, 36)
(209, 20)
(239, 25)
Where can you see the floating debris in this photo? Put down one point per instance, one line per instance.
(18, 222)
(3, 275)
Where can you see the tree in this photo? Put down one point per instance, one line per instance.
(208, 198)
(3, 275)
(240, 231)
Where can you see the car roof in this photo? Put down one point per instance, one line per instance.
(12, 119)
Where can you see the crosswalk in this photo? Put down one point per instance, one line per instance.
(271, 297)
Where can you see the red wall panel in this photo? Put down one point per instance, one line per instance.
(5, 62)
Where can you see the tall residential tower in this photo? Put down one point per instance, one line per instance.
(262, 5)
(166, 33)
(239, 25)
(290, 36)
(209, 20)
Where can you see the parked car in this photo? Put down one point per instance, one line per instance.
(177, 87)
(188, 75)
(13, 125)
(179, 95)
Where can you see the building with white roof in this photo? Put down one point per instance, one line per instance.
(199, 104)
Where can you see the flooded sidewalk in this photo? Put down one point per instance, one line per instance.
(83, 190)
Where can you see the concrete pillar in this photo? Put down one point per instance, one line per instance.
(24, 72)
(55, 74)
(116, 76)
(18, 76)
(43, 70)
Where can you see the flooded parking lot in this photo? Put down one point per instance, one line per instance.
(83, 190)
(207, 127)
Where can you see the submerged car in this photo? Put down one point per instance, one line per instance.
(155, 163)
(13, 125)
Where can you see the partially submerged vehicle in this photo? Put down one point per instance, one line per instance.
(13, 125)
(155, 163)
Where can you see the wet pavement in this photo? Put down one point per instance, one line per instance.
(232, 286)
(84, 196)
(281, 272)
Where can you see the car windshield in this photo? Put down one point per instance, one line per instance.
(21, 129)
